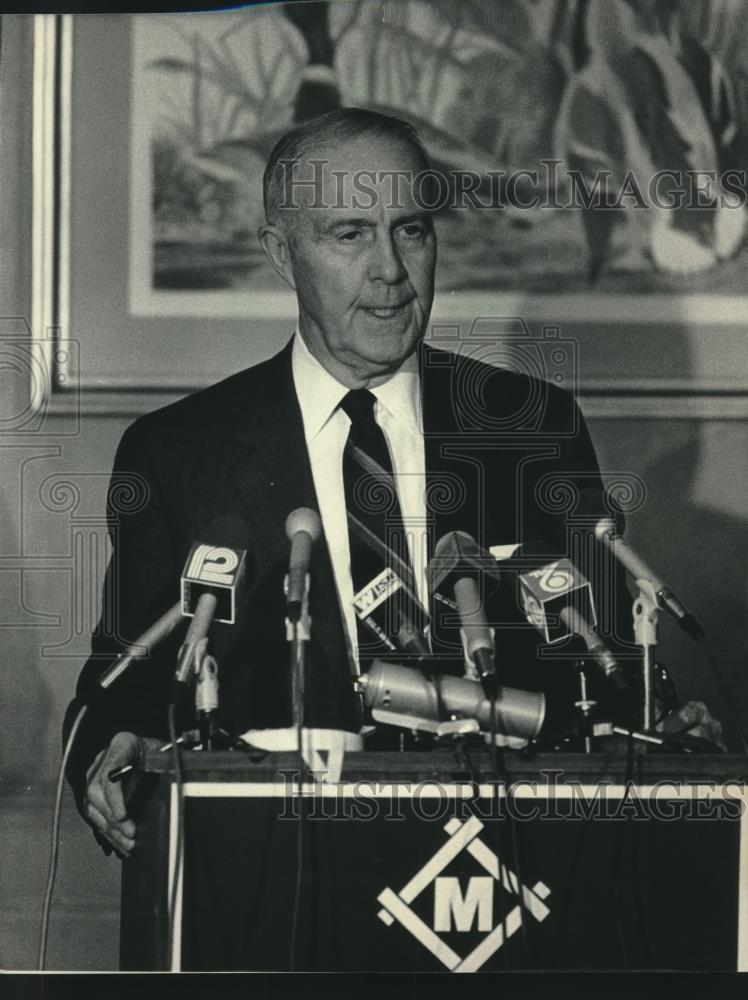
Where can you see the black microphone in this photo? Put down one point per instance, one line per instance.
(212, 577)
(606, 532)
(458, 550)
(456, 562)
(478, 637)
(303, 529)
(557, 599)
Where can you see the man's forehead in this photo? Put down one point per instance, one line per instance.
(360, 153)
(371, 176)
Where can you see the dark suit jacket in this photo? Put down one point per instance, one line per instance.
(501, 448)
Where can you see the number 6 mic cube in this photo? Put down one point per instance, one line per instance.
(545, 592)
(217, 570)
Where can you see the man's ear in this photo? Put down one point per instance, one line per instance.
(274, 241)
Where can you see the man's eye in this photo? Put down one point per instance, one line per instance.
(349, 236)
(413, 231)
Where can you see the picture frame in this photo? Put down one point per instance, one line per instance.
(653, 354)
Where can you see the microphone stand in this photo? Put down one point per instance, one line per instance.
(646, 615)
(584, 706)
(206, 697)
(298, 634)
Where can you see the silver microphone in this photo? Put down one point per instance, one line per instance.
(605, 532)
(409, 698)
(303, 529)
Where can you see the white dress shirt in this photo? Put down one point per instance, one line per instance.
(398, 413)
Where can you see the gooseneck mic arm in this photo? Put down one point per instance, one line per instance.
(605, 531)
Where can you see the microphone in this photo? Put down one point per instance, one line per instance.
(605, 531)
(477, 636)
(142, 647)
(303, 528)
(557, 599)
(401, 696)
(457, 560)
(597, 649)
(388, 604)
(213, 574)
(381, 606)
(458, 549)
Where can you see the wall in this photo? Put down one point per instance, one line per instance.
(694, 528)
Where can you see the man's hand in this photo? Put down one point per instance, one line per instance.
(693, 719)
(104, 802)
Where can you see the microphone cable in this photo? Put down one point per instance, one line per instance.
(298, 675)
(299, 870)
(179, 837)
(500, 776)
(620, 845)
(54, 853)
(155, 633)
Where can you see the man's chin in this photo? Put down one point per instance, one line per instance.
(388, 343)
(389, 357)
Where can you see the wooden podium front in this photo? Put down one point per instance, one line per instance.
(408, 864)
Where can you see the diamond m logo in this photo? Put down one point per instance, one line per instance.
(450, 906)
(458, 911)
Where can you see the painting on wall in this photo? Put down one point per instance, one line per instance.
(593, 148)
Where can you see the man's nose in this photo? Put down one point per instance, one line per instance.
(385, 263)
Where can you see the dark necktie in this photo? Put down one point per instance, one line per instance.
(383, 581)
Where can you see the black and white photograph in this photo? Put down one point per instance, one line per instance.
(374, 488)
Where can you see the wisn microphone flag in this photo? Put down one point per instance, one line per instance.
(217, 570)
(545, 592)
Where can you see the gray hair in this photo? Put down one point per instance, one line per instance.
(327, 130)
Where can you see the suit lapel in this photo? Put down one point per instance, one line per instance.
(454, 488)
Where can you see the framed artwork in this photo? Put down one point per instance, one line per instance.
(595, 158)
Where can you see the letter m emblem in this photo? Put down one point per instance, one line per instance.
(450, 905)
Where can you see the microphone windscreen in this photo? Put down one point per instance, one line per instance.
(458, 552)
(445, 546)
(303, 519)
(605, 528)
(466, 546)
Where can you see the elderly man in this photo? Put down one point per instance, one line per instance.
(467, 445)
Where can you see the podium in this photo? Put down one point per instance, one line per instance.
(408, 863)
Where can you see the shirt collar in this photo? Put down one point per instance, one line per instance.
(401, 395)
(320, 394)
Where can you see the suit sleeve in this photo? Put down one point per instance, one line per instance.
(579, 470)
(141, 583)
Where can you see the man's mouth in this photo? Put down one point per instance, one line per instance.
(386, 312)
